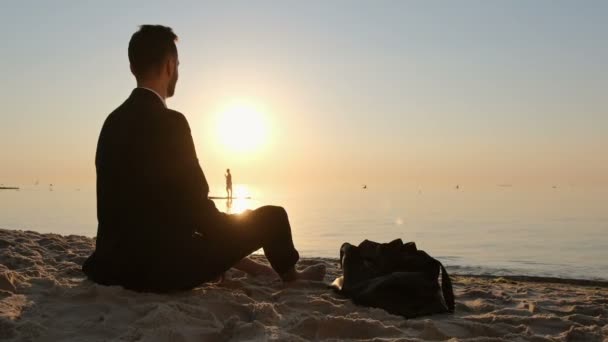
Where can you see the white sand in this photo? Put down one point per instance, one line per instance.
(44, 297)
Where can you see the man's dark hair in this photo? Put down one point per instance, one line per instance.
(149, 47)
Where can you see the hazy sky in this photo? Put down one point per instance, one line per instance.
(398, 92)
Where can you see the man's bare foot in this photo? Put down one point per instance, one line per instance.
(262, 270)
(314, 272)
(254, 268)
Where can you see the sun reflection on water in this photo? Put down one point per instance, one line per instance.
(240, 202)
(236, 205)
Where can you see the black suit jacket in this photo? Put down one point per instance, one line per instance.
(151, 191)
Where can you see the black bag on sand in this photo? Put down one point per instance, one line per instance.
(396, 277)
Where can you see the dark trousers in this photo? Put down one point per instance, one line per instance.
(231, 238)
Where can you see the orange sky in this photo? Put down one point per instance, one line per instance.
(404, 94)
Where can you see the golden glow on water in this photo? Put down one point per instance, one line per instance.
(241, 191)
(240, 201)
(502, 229)
(242, 127)
(236, 205)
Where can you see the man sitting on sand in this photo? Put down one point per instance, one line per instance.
(158, 231)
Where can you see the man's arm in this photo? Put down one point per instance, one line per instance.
(189, 182)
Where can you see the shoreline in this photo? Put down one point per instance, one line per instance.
(45, 297)
(535, 279)
(513, 277)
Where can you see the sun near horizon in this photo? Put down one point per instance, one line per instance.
(241, 127)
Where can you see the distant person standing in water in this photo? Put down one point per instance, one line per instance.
(158, 230)
(228, 183)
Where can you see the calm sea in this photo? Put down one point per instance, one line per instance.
(561, 232)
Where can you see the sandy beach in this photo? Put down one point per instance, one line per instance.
(44, 297)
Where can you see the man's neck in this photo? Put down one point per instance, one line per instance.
(160, 91)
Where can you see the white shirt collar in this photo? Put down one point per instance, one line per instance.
(160, 97)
